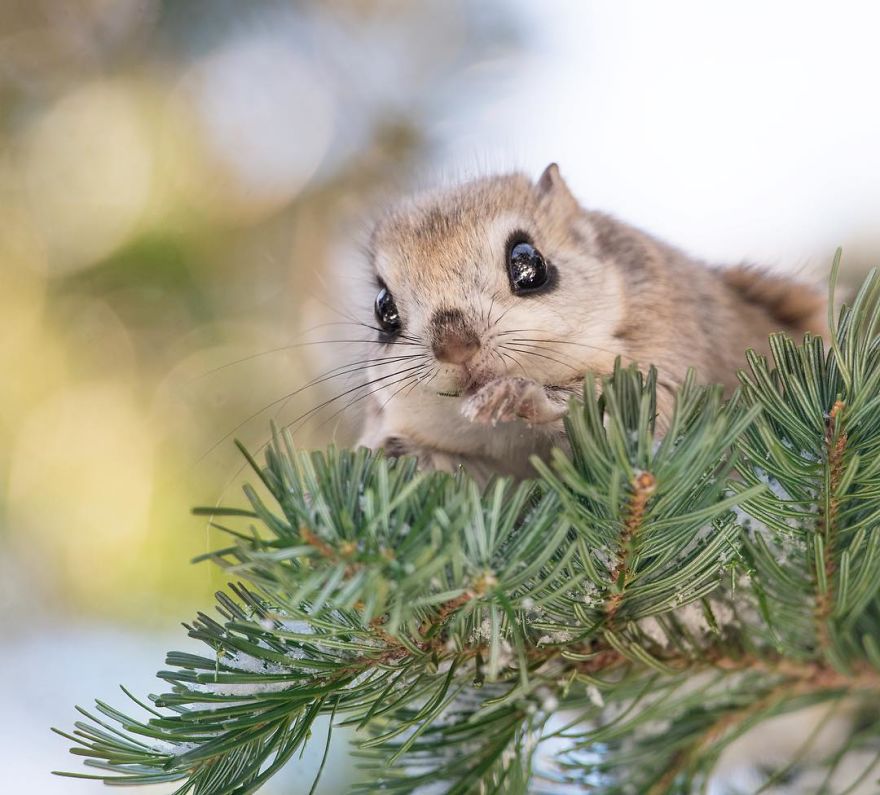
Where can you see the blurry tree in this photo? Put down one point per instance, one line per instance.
(175, 177)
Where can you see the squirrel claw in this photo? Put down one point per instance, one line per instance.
(507, 399)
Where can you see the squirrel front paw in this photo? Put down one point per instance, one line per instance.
(429, 460)
(510, 398)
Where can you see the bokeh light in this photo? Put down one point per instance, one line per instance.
(88, 523)
(175, 180)
(87, 172)
(264, 120)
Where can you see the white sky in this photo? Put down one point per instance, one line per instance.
(746, 130)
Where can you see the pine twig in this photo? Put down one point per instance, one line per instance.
(835, 446)
(643, 486)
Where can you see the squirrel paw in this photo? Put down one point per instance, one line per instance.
(510, 398)
(429, 460)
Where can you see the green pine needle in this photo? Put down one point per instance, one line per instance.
(667, 593)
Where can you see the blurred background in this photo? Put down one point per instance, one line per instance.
(183, 185)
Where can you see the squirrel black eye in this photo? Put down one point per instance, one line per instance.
(386, 312)
(527, 268)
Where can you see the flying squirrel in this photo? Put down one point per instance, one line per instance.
(495, 298)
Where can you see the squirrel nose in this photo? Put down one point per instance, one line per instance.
(455, 350)
(454, 341)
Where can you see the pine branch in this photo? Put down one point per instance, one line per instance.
(835, 447)
(643, 486)
(669, 594)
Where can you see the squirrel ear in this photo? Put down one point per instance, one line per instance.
(552, 183)
(549, 178)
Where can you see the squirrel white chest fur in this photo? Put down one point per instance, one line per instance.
(494, 300)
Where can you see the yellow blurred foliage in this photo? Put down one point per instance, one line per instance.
(87, 169)
(175, 180)
(80, 487)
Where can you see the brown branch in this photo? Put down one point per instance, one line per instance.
(685, 758)
(794, 679)
(835, 445)
(347, 548)
(643, 487)
(790, 679)
(798, 679)
(445, 610)
(816, 675)
(451, 606)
